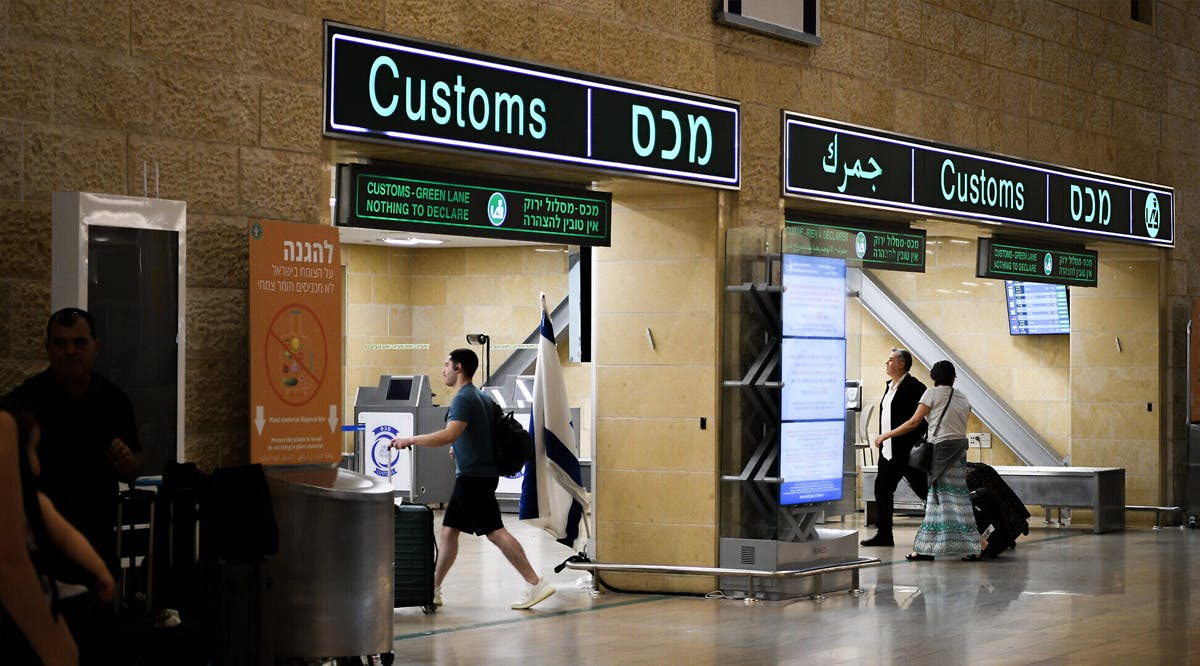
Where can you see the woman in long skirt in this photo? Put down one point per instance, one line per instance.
(949, 524)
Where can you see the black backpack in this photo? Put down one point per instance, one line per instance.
(511, 444)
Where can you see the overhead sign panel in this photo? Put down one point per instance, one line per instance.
(394, 198)
(1031, 262)
(900, 249)
(835, 161)
(388, 88)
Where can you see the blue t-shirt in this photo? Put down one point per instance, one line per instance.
(473, 454)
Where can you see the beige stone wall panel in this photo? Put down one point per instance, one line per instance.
(27, 81)
(25, 231)
(906, 64)
(212, 450)
(1100, 36)
(851, 50)
(194, 32)
(217, 325)
(451, 261)
(217, 252)
(433, 20)
(639, 496)
(103, 91)
(386, 290)
(202, 413)
(281, 185)
(657, 543)
(687, 285)
(10, 159)
(291, 116)
(664, 445)
(28, 310)
(282, 45)
(1183, 102)
(899, 19)
(203, 174)
(635, 391)
(65, 159)
(1183, 64)
(365, 259)
(679, 339)
(1013, 51)
(101, 25)
(672, 231)
(208, 105)
(515, 28)
(363, 13)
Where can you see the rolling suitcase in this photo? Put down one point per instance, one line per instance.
(999, 513)
(412, 583)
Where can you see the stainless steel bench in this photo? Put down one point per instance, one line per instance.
(1101, 489)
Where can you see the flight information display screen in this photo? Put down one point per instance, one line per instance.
(813, 370)
(1037, 309)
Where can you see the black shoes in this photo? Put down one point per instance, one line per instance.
(917, 557)
(880, 539)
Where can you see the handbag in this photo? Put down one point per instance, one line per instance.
(921, 455)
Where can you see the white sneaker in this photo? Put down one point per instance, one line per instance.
(437, 596)
(534, 595)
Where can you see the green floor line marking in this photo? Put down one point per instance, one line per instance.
(527, 618)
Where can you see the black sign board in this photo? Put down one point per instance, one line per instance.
(874, 247)
(1030, 262)
(395, 198)
(832, 161)
(388, 88)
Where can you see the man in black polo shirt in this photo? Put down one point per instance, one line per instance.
(88, 443)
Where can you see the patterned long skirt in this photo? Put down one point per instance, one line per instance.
(949, 525)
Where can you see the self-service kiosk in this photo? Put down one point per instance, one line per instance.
(402, 406)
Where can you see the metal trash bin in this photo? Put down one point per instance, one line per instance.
(330, 589)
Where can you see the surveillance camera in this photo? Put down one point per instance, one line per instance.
(477, 338)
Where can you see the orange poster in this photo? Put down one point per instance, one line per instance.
(295, 343)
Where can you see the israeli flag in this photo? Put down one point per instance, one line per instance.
(552, 494)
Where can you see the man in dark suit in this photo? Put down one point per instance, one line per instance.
(899, 403)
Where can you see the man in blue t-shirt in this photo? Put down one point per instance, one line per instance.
(473, 508)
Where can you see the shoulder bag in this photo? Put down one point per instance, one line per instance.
(921, 456)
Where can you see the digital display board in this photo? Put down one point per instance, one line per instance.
(814, 297)
(813, 374)
(887, 249)
(832, 161)
(425, 200)
(811, 462)
(1009, 260)
(1036, 308)
(387, 88)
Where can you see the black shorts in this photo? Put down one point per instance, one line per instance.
(473, 507)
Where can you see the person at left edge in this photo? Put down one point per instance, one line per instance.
(89, 443)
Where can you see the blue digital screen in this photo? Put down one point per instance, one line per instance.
(813, 371)
(1037, 309)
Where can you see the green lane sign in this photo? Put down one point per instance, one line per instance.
(875, 247)
(1017, 260)
(395, 198)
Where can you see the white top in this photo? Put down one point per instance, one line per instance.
(954, 424)
(885, 415)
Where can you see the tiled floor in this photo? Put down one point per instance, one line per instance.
(1065, 595)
